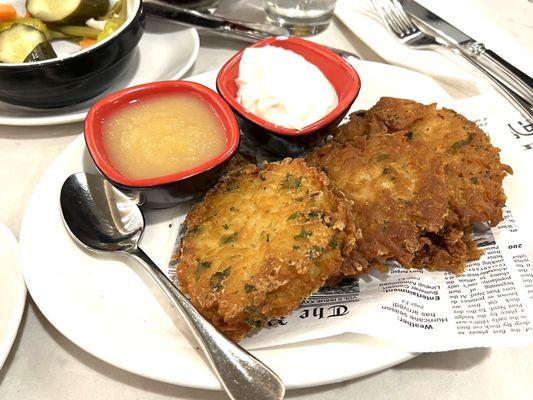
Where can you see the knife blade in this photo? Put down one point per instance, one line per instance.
(507, 73)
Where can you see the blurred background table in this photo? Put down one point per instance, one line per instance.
(44, 365)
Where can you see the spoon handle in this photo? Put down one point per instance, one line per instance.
(242, 375)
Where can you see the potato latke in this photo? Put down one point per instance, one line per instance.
(466, 180)
(262, 241)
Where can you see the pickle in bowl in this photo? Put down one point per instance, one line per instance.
(39, 69)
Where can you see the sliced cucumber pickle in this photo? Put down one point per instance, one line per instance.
(79, 31)
(33, 22)
(43, 51)
(19, 44)
(115, 20)
(67, 11)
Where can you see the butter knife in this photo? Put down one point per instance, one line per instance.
(518, 81)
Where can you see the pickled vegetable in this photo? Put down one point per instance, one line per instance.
(115, 21)
(78, 31)
(20, 43)
(31, 22)
(43, 51)
(67, 11)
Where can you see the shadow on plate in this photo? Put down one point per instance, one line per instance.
(161, 26)
(88, 164)
(455, 360)
(215, 43)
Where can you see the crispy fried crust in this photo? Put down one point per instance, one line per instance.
(472, 165)
(472, 170)
(398, 193)
(474, 173)
(262, 241)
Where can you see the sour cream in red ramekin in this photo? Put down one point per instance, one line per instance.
(283, 88)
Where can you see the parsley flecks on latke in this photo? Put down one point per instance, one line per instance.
(398, 193)
(262, 241)
(472, 176)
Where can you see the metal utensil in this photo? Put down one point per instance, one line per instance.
(212, 23)
(496, 65)
(222, 27)
(103, 219)
(403, 28)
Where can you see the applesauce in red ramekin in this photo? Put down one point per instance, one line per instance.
(162, 135)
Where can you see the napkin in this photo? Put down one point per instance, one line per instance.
(456, 75)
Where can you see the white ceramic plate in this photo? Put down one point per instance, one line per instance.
(12, 292)
(103, 306)
(179, 45)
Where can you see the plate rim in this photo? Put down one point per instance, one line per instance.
(20, 303)
(80, 116)
(401, 355)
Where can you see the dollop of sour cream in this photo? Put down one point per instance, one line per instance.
(283, 88)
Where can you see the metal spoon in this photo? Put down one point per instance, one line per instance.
(103, 219)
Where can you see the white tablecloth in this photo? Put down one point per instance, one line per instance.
(45, 365)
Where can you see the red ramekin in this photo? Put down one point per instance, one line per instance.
(162, 191)
(285, 141)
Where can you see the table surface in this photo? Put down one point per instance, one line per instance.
(44, 365)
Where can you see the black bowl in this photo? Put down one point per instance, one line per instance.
(77, 77)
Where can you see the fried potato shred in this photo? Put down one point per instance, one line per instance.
(400, 182)
(262, 241)
(419, 178)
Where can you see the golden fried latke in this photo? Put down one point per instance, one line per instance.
(471, 163)
(473, 173)
(398, 193)
(260, 242)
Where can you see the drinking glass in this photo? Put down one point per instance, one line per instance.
(301, 17)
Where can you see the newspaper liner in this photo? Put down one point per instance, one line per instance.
(491, 304)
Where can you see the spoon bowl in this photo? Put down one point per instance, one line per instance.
(98, 216)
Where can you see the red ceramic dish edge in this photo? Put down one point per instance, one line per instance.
(310, 48)
(110, 104)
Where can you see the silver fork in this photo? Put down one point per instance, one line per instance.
(404, 29)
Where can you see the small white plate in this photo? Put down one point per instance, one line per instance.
(166, 51)
(101, 303)
(12, 292)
